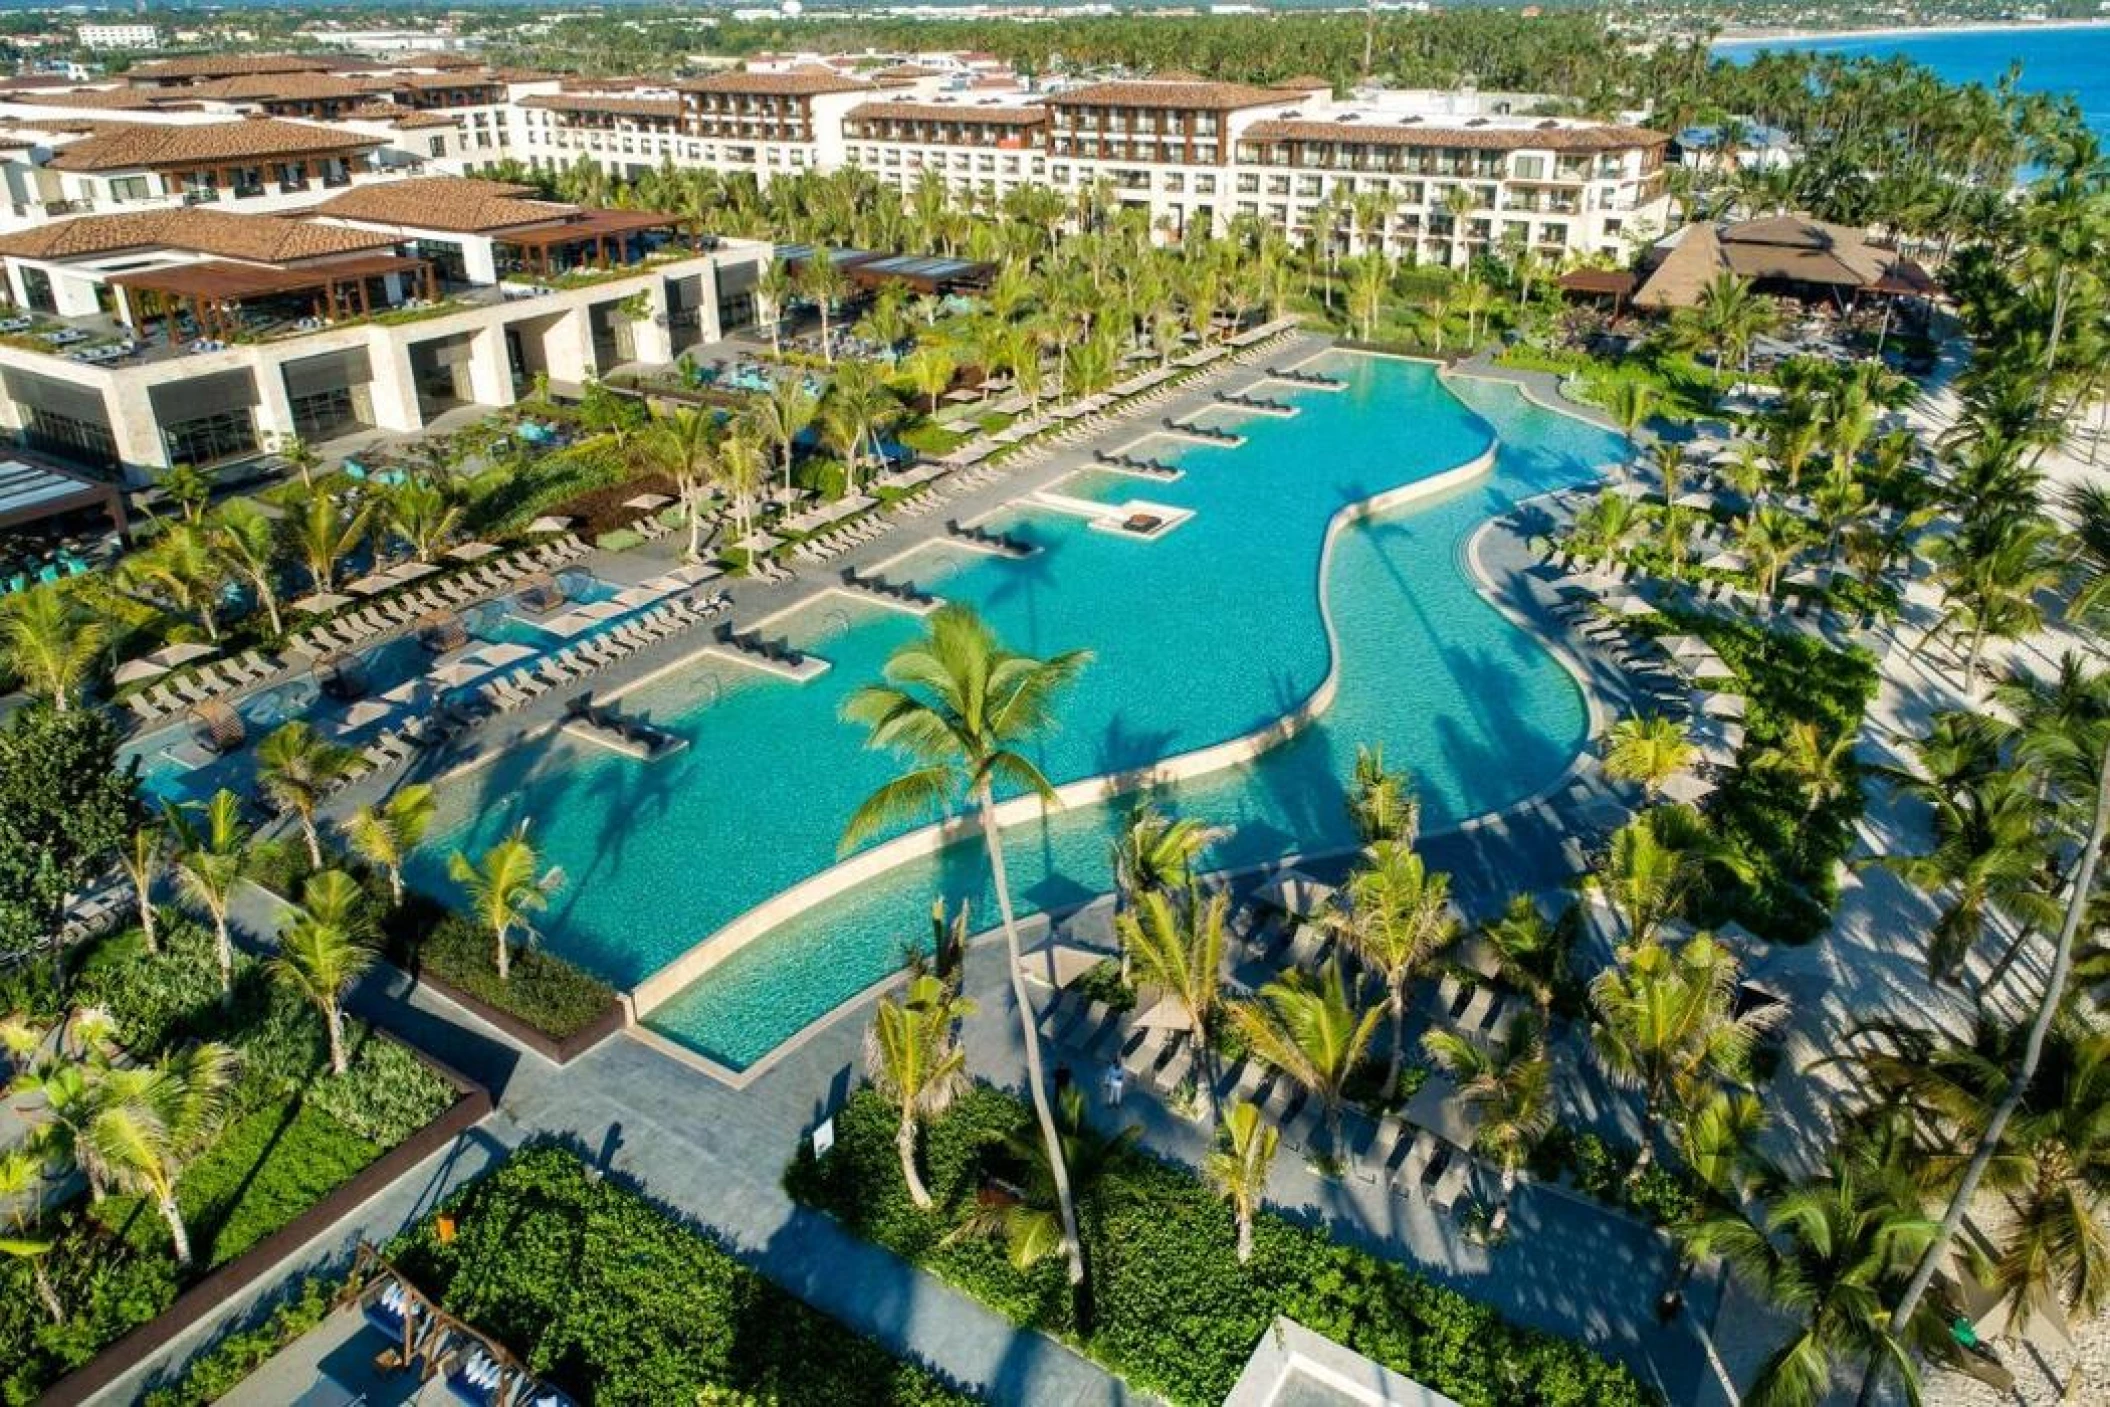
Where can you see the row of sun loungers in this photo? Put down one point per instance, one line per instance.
(1410, 1161)
(589, 657)
(833, 544)
(215, 678)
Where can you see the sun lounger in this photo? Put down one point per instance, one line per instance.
(1060, 1016)
(1306, 1125)
(1177, 1068)
(1109, 1040)
(1141, 1058)
(1406, 1178)
(1280, 1096)
(1088, 1028)
(1452, 1181)
(1477, 1010)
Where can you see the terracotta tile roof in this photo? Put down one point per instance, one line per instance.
(803, 83)
(458, 204)
(1391, 133)
(286, 87)
(1304, 83)
(668, 108)
(263, 239)
(225, 66)
(406, 119)
(435, 58)
(1178, 93)
(1001, 116)
(114, 99)
(1781, 249)
(161, 146)
(441, 81)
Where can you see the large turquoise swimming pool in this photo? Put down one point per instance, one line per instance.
(1206, 633)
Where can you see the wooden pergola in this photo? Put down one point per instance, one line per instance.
(214, 289)
(597, 230)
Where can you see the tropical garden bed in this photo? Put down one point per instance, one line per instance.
(278, 1139)
(1172, 1309)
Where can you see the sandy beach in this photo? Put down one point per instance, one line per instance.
(1803, 36)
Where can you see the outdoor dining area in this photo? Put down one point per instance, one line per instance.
(222, 301)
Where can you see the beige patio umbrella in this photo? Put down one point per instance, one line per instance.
(133, 671)
(549, 524)
(472, 551)
(1060, 964)
(1687, 788)
(321, 603)
(179, 654)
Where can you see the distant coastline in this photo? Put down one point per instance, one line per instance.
(1748, 37)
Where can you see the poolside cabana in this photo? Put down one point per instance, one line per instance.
(31, 494)
(541, 594)
(217, 727)
(442, 632)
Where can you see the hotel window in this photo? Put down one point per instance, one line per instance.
(1531, 168)
(1205, 184)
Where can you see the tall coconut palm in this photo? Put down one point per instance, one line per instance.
(1177, 945)
(1630, 403)
(51, 643)
(384, 835)
(1992, 575)
(961, 707)
(323, 537)
(1310, 1028)
(297, 767)
(1383, 804)
(249, 543)
(1528, 952)
(743, 466)
(424, 516)
(1985, 867)
(211, 858)
(1508, 1086)
(22, 1189)
(1664, 1022)
(323, 948)
(1825, 1252)
(783, 414)
(182, 568)
(678, 445)
(504, 889)
(929, 369)
(151, 1120)
(1729, 317)
(1157, 853)
(916, 1065)
(1032, 1227)
(1769, 538)
(773, 289)
(299, 455)
(144, 855)
(1822, 771)
(1654, 863)
(1396, 916)
(1647, 749)
(857, 411)
(824, 282)
(1238, 1167)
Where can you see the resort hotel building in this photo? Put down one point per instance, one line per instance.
(193, 334)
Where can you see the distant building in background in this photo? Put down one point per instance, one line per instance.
(118, 36)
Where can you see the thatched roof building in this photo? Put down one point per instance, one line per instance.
(1790, 255)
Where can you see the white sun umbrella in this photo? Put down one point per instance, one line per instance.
(1705, 502)
(363, 712)
(1685, 646)
(759, 541)
(1709, 669)
(1729, 706)
(1727, 562)
(1168, 1013)
(1631, 607)
(133, 671)
(1805, 576)
(501, 654)
(372, 585)
(644, 595)
(1060, 964)
(321, 603)
(549, 524)
(1627, 488)
(472, 551)
(415, 694)
(411, 571)
(457, 673)
(179, 654)
(646, 502)
(1295, 893)
(1687, 788)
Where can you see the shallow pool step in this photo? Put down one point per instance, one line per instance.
(798, 671)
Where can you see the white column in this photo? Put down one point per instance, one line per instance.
(651, 340)
(274, 408)
(395, 394)
(490, 379)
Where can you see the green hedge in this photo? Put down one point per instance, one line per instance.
(1176, 1314)
(615, 1301)
(293, 1134)
(544, 990)
(217, 1371)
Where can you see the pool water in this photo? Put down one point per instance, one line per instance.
(1203, 635)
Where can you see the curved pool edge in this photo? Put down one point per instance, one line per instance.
(694, 962)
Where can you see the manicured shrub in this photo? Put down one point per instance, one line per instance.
(544, 990)
(612, 1298)
(1175, 1313)
(217, 1371)
(106, 1287)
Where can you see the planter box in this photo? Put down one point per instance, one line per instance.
(472, 1103)
(613, 1018)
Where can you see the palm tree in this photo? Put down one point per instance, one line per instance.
(1629, 404)
(152, 1119)
(210, 861)
(783, 414)
(1647, 749)
(1178, 946)
(743, 464)
(930, 369)
(297, 767)
(425, 516)
(1992, 575)
(1310, 1029)
(772, 292)
(1509, 1088)
(1989, 856)
(323, 949)
(1826, 1252)
(144, 856)
(1033, 1227)
(1238, 1167)
(1528, 952)
(183, 566)
(1368, 278)
(22, 1188)
(1383, 805)
(679, 445)
(298, 454)
(826, 284)
(51, 643)
(856, 411)
(1654, 863)
(383, 836)
(1396, 916)
(916, 1066)
(961, 706)
(247, 540)
(324, 537)
(1822, 771)
(1155, 853)
(504, 889)
(1729, 317)
(1665, 1023)
(1769, 538)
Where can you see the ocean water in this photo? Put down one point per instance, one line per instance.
(2072, 59)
